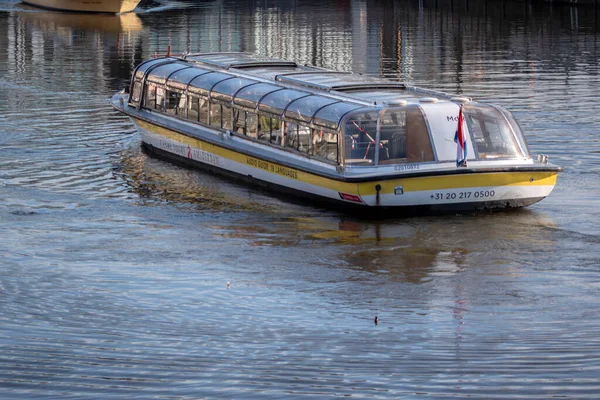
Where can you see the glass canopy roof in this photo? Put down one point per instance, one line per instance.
(276, 99)
(161, 72)
(143, 67)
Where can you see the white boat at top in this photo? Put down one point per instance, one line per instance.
(98, 6)
(337, 137)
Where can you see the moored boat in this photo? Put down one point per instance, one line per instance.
(338, 137)
(97, 6)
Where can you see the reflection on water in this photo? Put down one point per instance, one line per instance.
(57, 22)
(113, 264)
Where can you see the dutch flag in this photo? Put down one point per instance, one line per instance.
(461, 141)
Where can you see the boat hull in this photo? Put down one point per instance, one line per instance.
(98, 6)
(449, 190)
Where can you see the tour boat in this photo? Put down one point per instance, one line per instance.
(346, 139)
(98, 6)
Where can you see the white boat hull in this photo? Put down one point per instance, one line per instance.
(103, 6)
(436, 191)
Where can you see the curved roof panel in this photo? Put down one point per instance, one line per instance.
(225, 90)
(204, 83)
(250, 95)
(161, 72)
(304, 108)
(277, 102)
(143, 67)
(183, 77)
(331, 115)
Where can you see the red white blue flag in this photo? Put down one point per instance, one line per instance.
(461, 141)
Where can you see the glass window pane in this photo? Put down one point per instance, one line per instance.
(291, 135)
(251, 125)
(277, 101)
(330, 116)
(239, 121)
(304, 108)
(250, 95)
(227, 117)
(516, 129)
(304, 139)
(264, 128)
(204, 103)
(135, 93)
(172, 102)
(226, 89)
(325, 145)
(160, 98)
(490, 132)
(360, 132)
(393, 137)
(193, 108)
(150, 100)
(215, 115)
(276, 131)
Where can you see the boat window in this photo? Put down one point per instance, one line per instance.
(392, 136)
(250, 95)
(331, 115)
(325, 145)
(360, 133)
(491, 134)
(204, 105)
(226, 89)
(227, 117)
(277, 101)
(418, 141)
(215, 115)
(276, 132)
(160, 98)
(304, 108)
(264, 128)
(298, 137)
(175, 103)
(192, 111)
(251, 125)
(162, 72)
(239, 121)
(404, 136)
(203, 83)
(150, 100)
(518, 132)
(135, 93)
